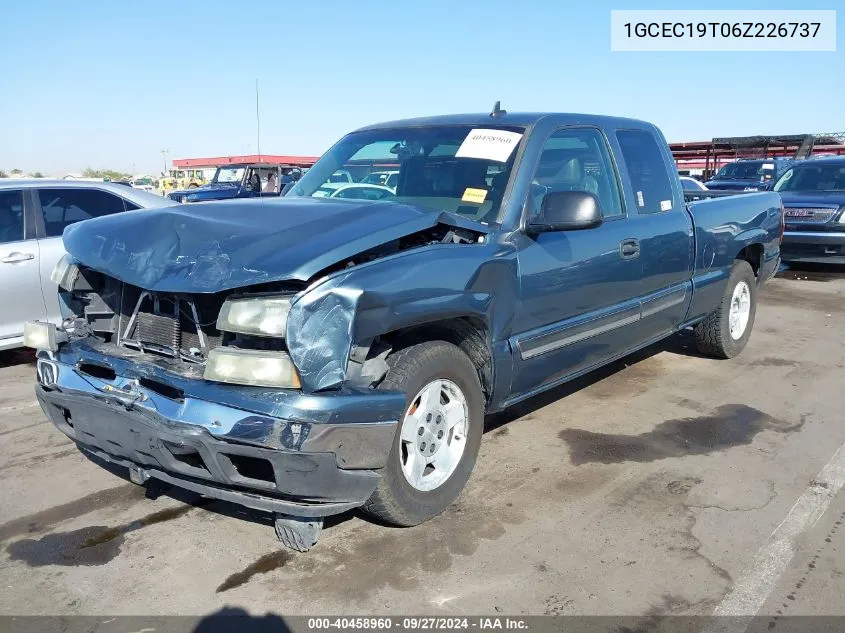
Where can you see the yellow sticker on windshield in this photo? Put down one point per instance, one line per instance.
(474, 195)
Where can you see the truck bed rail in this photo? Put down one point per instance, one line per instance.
(691, 196)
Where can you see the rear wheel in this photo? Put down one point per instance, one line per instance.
(725, 332)
(438, 437)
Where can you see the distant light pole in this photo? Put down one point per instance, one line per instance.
(164, 154)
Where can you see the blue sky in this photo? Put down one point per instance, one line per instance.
(111, 84)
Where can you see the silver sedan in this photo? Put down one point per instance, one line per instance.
(33, 215)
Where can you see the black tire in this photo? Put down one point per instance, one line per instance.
(395, 501)
(713, 335)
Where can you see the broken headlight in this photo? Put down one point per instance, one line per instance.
(257, 316)
(251, 367)
(65, 273)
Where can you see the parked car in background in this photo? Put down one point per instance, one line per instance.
(356, 191)
(340, 176)
(691, 184)
(813, 193)
(245, 180)
(312, 356)
(33, 215)
(384, 178)
(145, 183)
(749, 174)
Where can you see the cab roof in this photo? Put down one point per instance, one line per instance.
(517, 119)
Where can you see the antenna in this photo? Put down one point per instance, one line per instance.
(497, 110)
(257, 122)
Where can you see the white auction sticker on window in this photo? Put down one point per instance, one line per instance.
(489, 144)
(665, 205)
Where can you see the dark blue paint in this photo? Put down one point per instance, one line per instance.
(518, 286)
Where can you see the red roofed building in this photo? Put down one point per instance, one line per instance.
(219, 161)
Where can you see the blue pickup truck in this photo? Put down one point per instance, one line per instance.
(749, 174)
(241, 180)
(308, 355)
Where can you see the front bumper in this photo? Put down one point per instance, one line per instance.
(292, 453)
(821, 247)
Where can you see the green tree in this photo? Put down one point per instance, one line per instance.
(3, 174)
(38, 174)
(107, 174)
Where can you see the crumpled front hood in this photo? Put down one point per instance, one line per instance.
(232, 244)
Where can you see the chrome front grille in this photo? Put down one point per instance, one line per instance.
(808, 215)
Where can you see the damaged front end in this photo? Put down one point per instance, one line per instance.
(127, 378)
(261, 395)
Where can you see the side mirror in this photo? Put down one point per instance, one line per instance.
(567, 211)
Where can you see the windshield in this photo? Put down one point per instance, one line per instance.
(229, 174)
(454, 168)
(752, 170)
(813, 178)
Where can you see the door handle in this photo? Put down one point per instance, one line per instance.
(628, 249)
(16, 258)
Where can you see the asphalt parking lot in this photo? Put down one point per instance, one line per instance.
(664, 484)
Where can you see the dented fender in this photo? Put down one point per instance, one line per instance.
(411, 288)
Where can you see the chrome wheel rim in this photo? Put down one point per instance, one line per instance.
(433, 435)
(740, 310)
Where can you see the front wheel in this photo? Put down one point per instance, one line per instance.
(438, 437)
(725, 332)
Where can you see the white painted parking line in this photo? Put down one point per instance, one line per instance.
(19, 407)
(752, 589)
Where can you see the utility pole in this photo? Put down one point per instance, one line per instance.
(257, 122)
(164, 154)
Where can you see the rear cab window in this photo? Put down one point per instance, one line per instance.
(647, 171)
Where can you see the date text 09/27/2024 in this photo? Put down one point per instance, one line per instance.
(417, 623)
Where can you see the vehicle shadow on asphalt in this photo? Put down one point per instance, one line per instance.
(811, 272)
(13, 357)
(681, 343)
(236, 619)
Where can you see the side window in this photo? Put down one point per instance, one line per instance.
(11, 216)
(253, 180)
(63, 207)
(577, 159)
(647, 170)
